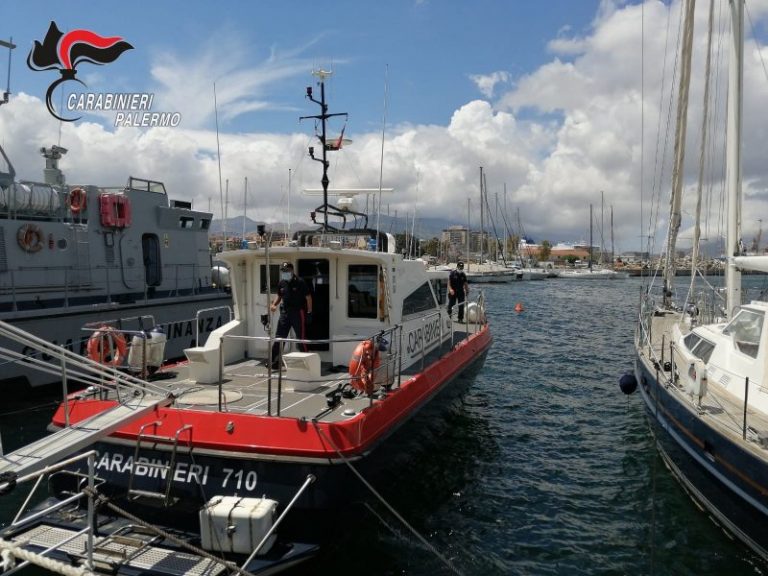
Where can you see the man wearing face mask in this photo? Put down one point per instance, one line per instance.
(295, 301)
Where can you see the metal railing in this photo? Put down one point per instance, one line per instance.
(105, 283)
(663, 356)
(20, 520)
(375, 372)
(390, 371)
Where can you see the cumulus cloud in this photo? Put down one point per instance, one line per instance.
(557, 136)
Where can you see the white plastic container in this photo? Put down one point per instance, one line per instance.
(303, 369)
(155, 343)
(234, 524)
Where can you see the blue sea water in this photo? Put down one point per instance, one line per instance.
(541, 465)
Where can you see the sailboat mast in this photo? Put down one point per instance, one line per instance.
(675, 216)
(613, 254)
(590, 238)
(602, 227)
(733, 155)
(481, 216)
(468, 259)
(245, 207)
(704, 142)
(505, 253)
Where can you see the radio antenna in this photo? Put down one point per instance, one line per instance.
(10, 45)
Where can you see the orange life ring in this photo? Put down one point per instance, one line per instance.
(76, 200)
(365, 360)
(107, 346)
(30, 237)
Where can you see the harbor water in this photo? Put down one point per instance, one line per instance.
(540, 466)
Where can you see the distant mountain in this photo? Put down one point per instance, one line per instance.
(425, 227)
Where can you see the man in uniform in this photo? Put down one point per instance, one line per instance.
(295, 301)
(457, 289)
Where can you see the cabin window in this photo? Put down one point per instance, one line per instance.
(420, 300)
(440, 287)
(363, 291)
(186, 221)
(274, 278)
(205, 223)
(153, 268)
(745, 329)
(691, 340)
(699, 347)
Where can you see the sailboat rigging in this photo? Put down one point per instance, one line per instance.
(701, 369)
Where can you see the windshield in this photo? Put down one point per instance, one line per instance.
(746, 328)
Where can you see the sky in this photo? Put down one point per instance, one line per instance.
(564, 103)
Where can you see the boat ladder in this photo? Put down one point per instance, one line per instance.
(168, 469)
(139, 548)
(50, 449)
(136, 399)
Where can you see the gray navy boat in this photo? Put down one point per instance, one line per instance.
(76, 256)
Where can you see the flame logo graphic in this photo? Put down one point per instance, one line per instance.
(63, 52)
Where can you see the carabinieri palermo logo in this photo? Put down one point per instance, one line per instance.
(64, 52)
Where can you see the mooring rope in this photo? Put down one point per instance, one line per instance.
(429, 546)
(47, 563)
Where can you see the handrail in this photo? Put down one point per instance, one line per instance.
(83, 369)
(102, 285)
(393, 335)
(318, 341)
(20, 521)
(309, 479)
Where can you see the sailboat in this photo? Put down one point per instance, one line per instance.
(701, 371)
(488, 272)
(591, 272)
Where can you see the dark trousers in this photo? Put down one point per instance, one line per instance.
(458, 295)
(290, 319)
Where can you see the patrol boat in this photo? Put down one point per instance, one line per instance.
(72, 255)
(226, 431)
(77, 255)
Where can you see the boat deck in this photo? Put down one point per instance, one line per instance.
(720, 407)
(247, 388)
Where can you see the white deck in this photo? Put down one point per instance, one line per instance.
(721, 409)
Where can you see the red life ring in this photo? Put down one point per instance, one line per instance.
(107, 346)
(30, 238)
(76, 200)
(365, 360)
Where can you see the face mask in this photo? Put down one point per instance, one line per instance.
(285, 275)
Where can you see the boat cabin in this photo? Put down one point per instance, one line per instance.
(720, 352)
(357, 294)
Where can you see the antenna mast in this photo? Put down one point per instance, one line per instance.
(326, 147)
(10, 45)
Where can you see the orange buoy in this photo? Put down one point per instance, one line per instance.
(30, 238)
(365, 360)
(518, 307)
(107, 346)
(76, 200)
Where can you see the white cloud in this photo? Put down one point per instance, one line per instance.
(185, 84)
(486, 83)
(558, 137)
